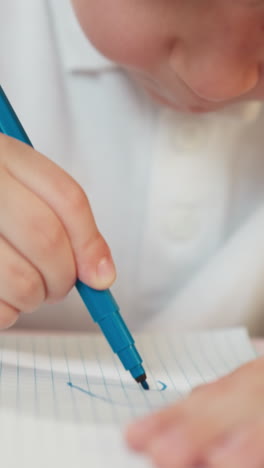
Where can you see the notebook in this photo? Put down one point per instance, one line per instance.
(65, 399)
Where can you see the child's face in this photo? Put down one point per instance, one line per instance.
(193, 55)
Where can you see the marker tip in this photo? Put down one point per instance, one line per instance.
(145, 385)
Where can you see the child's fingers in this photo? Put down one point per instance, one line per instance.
(182, 434)
(173, 422)
(8, 315)
(21, 285)
(35, 231)
(243, 449)
(66, 198)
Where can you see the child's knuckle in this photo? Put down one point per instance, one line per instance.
(76, 199)
(28, 289)
(51, 238)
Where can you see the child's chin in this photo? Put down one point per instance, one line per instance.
(189, 109)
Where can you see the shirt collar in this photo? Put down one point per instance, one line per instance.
(77, 53)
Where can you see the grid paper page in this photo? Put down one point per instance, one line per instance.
(63, 398)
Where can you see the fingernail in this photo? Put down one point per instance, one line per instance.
(172, 437)
(106, 271)
(223, 450)
(172, 448)
(138, 432)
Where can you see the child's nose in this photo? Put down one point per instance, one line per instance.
(215, 77)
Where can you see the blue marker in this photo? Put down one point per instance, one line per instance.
(101, 304)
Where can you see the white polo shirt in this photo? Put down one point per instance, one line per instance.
(178, 198)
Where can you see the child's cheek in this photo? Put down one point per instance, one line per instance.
(118, 31)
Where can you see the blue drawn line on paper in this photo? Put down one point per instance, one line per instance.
(162, 388)
(91, 394)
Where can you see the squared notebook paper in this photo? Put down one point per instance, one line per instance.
(65, 399)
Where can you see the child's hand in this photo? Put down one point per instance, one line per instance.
(47, 233)
(220, 425)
